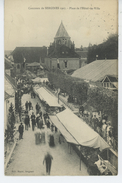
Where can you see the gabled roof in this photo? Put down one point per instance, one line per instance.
(61, 31)
(97, 70)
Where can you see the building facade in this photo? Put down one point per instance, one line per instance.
(61, 53)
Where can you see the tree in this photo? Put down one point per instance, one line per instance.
(11, 124)
(108, 49)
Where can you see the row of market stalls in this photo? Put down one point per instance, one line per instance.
(74, 130)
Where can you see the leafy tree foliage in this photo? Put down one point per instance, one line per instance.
(108, 49)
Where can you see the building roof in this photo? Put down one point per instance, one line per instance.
(62, 51)
(31, 54)
(61, 31)
(10, 86)
(82, 54)
(97, 70)
(8, 64)
(10, 80)
(7, 96)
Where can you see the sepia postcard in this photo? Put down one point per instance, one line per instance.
(60, 88)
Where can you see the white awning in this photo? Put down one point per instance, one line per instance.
(48, 97)
(83, 134)
(63, 130)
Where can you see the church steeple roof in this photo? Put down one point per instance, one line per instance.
(61, 31)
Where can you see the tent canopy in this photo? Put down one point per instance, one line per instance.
(63, 130)
(81, 132)
(49, 98)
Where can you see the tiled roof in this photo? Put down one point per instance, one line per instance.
(97, 70)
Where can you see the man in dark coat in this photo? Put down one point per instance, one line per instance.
(30, 105)
(26, 105)
(51, 142)
(21, 130)
(33, 119)
(48, 160)
(27, 120)
(37, 108)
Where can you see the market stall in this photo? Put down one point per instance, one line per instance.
(50, 99)
(69, 138)
(84, 135)
(82, 138)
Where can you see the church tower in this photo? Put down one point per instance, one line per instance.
(62, 37)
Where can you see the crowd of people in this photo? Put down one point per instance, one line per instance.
(31, 119)
(100, 124)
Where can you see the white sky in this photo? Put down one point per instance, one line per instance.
(38, 27)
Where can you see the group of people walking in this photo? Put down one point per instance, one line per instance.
(28, 105)
(36, 119)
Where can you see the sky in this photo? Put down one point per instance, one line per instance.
(32, 23)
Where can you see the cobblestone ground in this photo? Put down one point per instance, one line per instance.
(27, 158)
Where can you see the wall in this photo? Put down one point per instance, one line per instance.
(72, 63)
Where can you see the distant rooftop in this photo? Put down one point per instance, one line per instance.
(31, 54)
